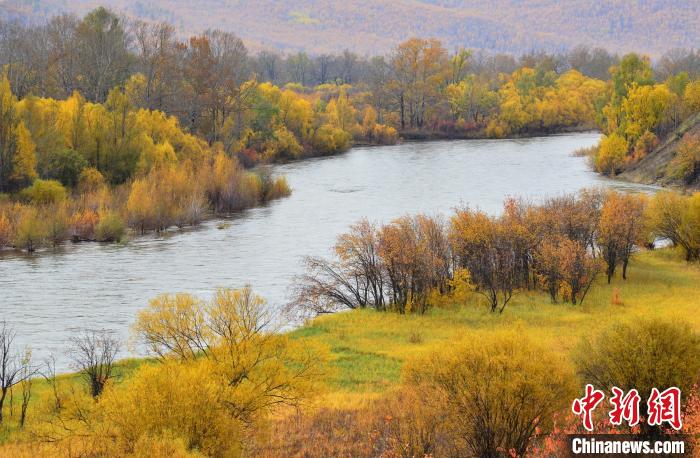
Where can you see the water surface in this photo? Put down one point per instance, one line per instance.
(50, 296)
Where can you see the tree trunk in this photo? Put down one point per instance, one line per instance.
(2, 402)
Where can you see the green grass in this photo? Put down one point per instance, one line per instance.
(369, 348)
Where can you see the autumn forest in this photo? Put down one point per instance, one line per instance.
(466, 333)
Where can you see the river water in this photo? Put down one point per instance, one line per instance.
(48, 297)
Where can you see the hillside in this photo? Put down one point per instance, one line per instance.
(654, 167)
(650, 26)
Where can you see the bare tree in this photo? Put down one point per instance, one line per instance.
(49, 374)
(14, 367)
(26, 380)
(93, 355)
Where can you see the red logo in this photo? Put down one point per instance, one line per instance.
(585, 406)
(625, 407)
(665, 407)
(662, 407)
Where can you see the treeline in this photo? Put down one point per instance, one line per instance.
(640, 112)
(207, 82)
(80, 170)
(559, 247)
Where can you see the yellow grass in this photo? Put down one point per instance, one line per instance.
(369, 348)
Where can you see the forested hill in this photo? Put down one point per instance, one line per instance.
(374, 26)
(676, 160)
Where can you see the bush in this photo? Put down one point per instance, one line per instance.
(45, 192)
(83, 224)
(495, 392)
(330, 140)
(272, 187)
(90, 180)
(685, 165)
(173, 401)
(110, 228)
(284, 145)
(641, 355)
(677, 218)
(6, 232)
(497, 129)
(30, 232)
(65, 166)
(55, 218)
(385, 135)
(611, 154)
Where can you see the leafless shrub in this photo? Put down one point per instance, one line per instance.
(93, 354)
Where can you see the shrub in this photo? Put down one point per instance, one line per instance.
(272, 187)
(385, 135)
(173, 399)
(330, 140)
(228, 187)
(6, 230)
(691, 97)
(110, 228)
(497, 129)
(495, 392)
(677, 218)
(685, 165)
(45, 192)
(611, 154)
(90, 180)
(644, 145)
(65, 166)
(641, 355)
(56, 220)
(284, 145)
(83, 224)
(30, 233)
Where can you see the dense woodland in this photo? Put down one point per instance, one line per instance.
(374, 27)
(109, 123)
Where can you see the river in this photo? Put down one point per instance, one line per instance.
(48, 297)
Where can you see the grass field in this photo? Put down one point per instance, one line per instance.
(368, 349)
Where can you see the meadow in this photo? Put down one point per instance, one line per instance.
(368, 349)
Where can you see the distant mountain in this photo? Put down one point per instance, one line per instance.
(375, 26)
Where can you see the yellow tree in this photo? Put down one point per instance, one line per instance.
(421, 69)
(140, 206)
(8, 122)
(611, 154)
(645, 109)
(24, 160)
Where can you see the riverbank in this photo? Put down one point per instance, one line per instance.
(283, 191)
(369, 349)
(480, 134)
(96, 286)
